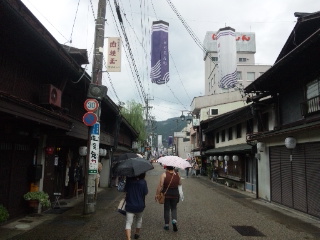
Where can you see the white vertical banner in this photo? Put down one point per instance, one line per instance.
(114, 54)
(94, 148)
(227, 57)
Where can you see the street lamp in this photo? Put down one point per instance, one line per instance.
(183, 117)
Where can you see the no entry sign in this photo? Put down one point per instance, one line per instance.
(91, 105)
(89, 118)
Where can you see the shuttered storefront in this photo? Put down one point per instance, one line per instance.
(296, 183)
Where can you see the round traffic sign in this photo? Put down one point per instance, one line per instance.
(91, 105)
(89, 118)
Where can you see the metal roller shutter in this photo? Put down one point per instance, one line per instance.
(295, 183)
(313, 178)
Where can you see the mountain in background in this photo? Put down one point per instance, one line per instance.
(167, 128)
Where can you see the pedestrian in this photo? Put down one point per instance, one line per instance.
(196, 169)
(136, 190)
(187, 171)
(169, 182)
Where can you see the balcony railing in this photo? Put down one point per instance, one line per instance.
(310, 106)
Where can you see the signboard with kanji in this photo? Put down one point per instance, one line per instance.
(114, 54)
(94, 148)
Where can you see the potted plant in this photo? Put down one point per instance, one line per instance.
(40, 197)
(4, 214)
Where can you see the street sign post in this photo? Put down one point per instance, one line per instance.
(91, 105)
(89, 118)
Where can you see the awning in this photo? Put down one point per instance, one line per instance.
(234, 148)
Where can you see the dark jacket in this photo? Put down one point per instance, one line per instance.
(136, 192)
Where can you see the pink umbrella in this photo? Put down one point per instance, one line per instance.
(174, 161)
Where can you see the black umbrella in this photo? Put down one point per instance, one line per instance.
(133, 167)
(126, 156)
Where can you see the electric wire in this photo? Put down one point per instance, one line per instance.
(127, 54)
(130, 51)
(74, 21)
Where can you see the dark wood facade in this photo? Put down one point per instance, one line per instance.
(35, 71)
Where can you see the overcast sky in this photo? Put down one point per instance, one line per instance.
(71, 22)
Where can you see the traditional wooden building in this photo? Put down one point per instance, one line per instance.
(43, 88)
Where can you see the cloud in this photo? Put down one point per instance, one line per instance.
(272, 21)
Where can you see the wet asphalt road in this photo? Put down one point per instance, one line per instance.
(209, 211)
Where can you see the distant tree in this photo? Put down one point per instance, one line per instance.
(133, 113)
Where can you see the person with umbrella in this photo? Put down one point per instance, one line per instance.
(134, 168)
(136, 190)
(169, 182)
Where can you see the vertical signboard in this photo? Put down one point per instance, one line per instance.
(94, 148)
(114, 54)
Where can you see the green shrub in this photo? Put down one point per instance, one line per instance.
(4, 214)
(41, 196)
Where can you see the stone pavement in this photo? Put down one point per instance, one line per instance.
(209, 211)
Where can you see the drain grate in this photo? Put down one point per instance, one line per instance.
(248, 231)
(25, 221)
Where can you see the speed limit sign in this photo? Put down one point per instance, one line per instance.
(91, 105)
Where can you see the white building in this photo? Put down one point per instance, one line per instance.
(247, 69)
(217, 100)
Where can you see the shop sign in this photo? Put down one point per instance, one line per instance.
(196, 154)
(94, 148)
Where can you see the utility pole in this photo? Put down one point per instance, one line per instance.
(97, 91)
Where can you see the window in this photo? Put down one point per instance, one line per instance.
(250, 126)
(239, 130)
(213, 111)
(230, 137)
(239, 75)
(217, 137)
(214, 59)
(313, 89)
(242, 59)
(250, 76)
(223, 135)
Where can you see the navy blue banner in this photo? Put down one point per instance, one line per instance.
(159, 53)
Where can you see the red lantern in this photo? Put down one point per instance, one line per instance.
(49, 150)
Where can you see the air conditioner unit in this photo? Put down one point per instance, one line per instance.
(50, 95)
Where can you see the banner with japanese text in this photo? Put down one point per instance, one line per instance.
(159, 53)
(94, 148)
(114, 54)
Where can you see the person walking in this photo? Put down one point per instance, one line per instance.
(136, 190)
(169, 182)
(187, 171)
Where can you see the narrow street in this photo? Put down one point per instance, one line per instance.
(209, 211)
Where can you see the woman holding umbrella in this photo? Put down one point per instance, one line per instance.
(169, 182)
(136, 189)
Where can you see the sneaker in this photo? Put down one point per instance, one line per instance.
(136, 236)
(174, 224)
(166, 227)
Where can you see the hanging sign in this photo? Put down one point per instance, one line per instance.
(94, 148)
(89, 118)
(91, 105)
(114, 54)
